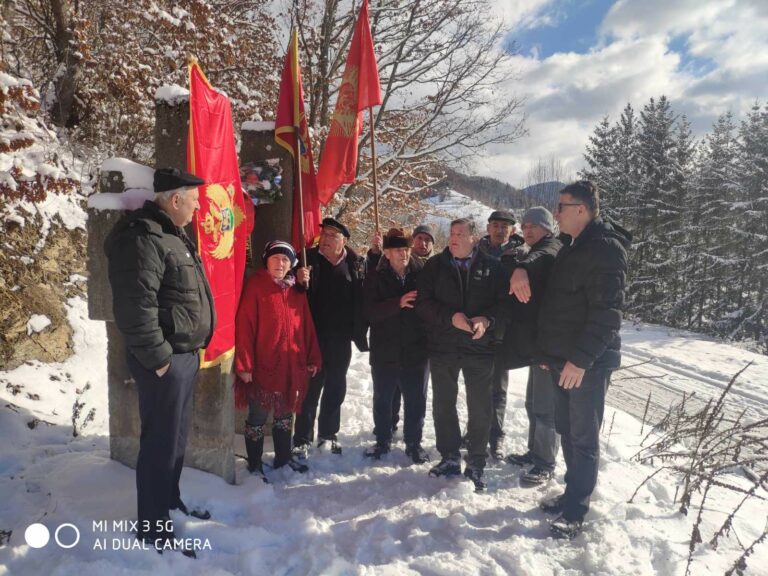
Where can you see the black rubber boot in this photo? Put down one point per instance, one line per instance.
(254, 448)
(281, 437)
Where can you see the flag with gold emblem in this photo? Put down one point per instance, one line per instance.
(359, 90)
(220, 224)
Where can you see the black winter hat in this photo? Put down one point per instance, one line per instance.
(279, 247)
(396, 238)
(335, 224)
(502, 215)
(172, 178)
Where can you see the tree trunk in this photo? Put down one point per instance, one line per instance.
(69, 70)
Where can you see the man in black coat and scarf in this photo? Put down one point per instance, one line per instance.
(398, 352)
(462, 296)
(579, 325)
(335, 293)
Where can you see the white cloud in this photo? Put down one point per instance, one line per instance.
(569, 93)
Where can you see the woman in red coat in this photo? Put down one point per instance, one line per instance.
(276, 353)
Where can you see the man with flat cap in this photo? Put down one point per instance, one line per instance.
(335, 300)
(164, 309)
(504, 245)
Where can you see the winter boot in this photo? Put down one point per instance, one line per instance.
(563, 528)
(476, 475)
(281, 437)
(195, 512)
(497, 448)
(254, 448)
(377, 451)
(553, 505)
(520, 459)
(446, 467)
(334, 445)
(535, 476)
(416, 453)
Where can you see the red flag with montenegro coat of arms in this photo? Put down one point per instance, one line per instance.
(290, 114)
(360, 89)
(221, 224)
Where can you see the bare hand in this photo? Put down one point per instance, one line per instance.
(161, 371)
(479, 326)
(246, 377)
(571, 376)
(302, 275)
(460, 321)
(407, 299)
(520, 286)
(376, 242)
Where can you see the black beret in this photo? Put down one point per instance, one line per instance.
(332, 223)
(172, 178)
(502, 215)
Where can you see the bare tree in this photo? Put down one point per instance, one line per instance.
(444, 77)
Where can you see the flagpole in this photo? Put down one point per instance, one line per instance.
(297, 176)
(375, 180)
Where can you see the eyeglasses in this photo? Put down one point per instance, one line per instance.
(561, 204)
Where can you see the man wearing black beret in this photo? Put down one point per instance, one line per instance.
(336, 275)
(164, 309)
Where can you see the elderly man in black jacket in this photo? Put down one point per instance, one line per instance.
(335, 296)
(398, 353)
(164, 309)
(528, 283)
(579, 324)
(461, 297)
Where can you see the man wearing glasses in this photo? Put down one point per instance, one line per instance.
(336, 274)
(578, 333)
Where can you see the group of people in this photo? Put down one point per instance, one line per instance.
(549, 299)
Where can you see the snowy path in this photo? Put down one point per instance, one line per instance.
(347, 516)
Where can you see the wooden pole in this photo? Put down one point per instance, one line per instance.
(297, 185)
(373, 162)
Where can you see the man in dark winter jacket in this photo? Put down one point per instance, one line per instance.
(398, 355)
(164, 309)
(461, 297)
(579, 324)
(502, 244)
(527, 284)
(336, 276)
(422, 244)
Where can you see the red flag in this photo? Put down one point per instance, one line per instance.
(359, 90)
(290, 113)
(220, 224)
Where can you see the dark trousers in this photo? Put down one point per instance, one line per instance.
(543, 439)
(478, 381)
(578, 417)
(397, 401)
(387, 380)
(500, 384)
(331, 381)
(165, 409)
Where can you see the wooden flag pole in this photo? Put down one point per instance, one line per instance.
(373, 162)
(297, 184)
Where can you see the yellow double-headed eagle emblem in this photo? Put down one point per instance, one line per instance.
(221, 220)
(345, 117)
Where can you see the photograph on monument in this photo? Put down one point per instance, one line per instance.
(262, 180)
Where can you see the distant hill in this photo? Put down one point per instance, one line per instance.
(497, 194)
(544, 193)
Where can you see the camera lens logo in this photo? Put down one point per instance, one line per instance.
(66, 535)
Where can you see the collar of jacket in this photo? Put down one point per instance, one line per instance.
(159, 222)
(600, 228)
(414, 265)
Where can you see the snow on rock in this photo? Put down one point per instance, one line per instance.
(38, 323)
(128, 200)
(348, 515)
(258, 125)
(172, 94)
(134, 175)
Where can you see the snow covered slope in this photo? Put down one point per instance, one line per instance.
(348, 515)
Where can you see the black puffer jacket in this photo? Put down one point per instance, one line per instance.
(442, 293)
(580, 316)
(398, 338)
(520, 338)
(333, 311)
(161, 299)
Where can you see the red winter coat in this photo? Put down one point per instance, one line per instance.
(275, 341)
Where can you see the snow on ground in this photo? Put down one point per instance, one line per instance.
(448, 205)
(347, 515)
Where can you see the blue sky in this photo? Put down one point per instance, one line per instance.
(578, 61)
